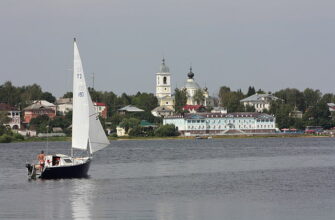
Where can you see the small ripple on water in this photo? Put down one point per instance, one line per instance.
(179, 179)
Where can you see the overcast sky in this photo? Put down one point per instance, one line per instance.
(269, 44)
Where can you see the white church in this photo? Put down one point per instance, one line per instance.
(164, 94)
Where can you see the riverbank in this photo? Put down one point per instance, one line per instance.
(277, 135)
(43, 139)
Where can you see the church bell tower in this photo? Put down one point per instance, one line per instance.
(163, 81)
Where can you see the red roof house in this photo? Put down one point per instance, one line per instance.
(194, 108)
(101, 108)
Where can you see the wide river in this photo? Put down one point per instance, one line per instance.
(254, 179)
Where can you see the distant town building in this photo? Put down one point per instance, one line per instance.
(220, 124)
(296, 113)
(28, 133)
(331, 107)
(64, 105)
(13, 114)
(39, 108)
(259, 101)
(121, 132)
(162, 111)
(101, 108)
(129, 109)
(163, 87)
(221, 110)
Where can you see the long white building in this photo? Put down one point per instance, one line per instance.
(217, 123)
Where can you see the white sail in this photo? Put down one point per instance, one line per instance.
(80, 114)
(97, 136)
(86, 127)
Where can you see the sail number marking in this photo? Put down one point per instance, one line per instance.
(81, 94)
(79, 76)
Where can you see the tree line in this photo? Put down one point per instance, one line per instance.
(21, 97)
(312, 103)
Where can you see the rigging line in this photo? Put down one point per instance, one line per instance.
(94, 114)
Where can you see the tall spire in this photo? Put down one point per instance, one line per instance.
(163, 67)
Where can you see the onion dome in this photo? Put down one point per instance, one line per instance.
(190, 83)
(190, 74)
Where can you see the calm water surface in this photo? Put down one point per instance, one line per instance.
(272, 178)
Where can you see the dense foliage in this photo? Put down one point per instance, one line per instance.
(24, 95)
(199, 97)
(231, 99)
(166, 131)
(7, 136)
(180, 99)
(312, 103)
(43, 124)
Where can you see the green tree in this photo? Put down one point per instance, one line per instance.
(166, 131)
(260, 91)
(129, 123)
(96, 96)
(110, 99)
(199, 97)
(180, 99)
(251, 91)
(9, 93)
(231, 99)
(48, 97)
(125, 99)
(41, 124)
(4, 118)
(136, 131)
(32, 92)
(145, 101)
(281, 112)
(292, 97)
(68, 95)
(312, 97)
(223, 92)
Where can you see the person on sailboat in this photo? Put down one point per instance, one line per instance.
(41, 159)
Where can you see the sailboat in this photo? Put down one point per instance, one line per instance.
(87, 133)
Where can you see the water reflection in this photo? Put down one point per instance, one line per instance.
(81, 198)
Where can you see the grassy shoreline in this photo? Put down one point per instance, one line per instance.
(53, 139)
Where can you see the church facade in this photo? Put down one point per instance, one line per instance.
(166, 98)
(192, 87)
(164, 92)
(163, 86)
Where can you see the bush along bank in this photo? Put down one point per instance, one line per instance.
(7, 136)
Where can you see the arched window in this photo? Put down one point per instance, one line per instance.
(164, 80)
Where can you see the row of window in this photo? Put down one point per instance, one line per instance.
(191, 127)
(13, 114)
(260, 106)
(228, 121)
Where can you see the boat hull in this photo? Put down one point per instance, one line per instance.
(63, 172)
